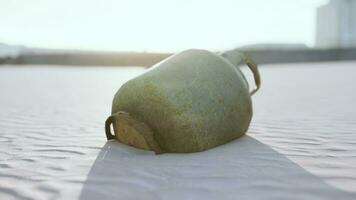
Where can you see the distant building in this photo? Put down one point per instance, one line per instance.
(336, 24)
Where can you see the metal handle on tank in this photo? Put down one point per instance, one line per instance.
(256, 74)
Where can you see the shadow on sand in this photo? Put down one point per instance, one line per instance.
(242, 169)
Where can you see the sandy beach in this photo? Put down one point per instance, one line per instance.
(301, 143)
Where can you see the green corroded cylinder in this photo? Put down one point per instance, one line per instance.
(190, 102)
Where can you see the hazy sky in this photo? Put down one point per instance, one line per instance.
(156, 25)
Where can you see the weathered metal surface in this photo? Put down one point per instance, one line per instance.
(191, 102)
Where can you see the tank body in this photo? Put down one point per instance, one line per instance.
(192, 101)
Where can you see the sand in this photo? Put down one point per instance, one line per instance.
(301, 143)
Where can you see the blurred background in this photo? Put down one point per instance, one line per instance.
(140, 33)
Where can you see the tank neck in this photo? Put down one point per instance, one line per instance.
(238, 58)
(233, 56)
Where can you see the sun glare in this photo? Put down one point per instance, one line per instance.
(160, 26)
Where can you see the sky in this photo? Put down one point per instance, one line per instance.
(156, 25)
